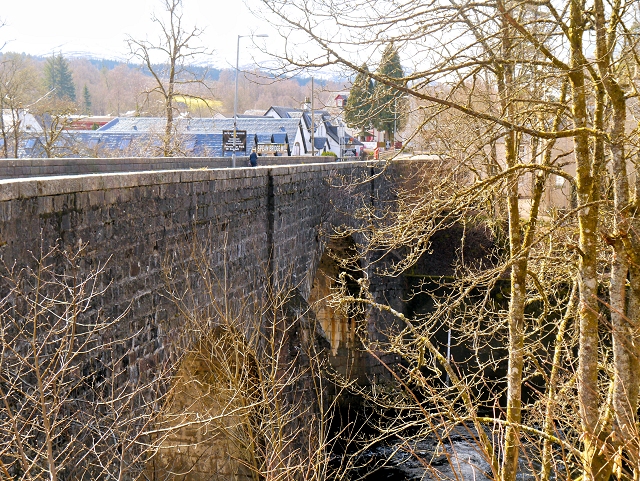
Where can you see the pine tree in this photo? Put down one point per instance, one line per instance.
(58, 78)
(389, 102)
(358, 110)
(87, 100)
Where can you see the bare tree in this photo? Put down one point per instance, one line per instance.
(521, 74)
(167, 60)
(17, 90)
(70, 409)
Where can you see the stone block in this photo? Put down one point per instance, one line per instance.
(45, 204)
(9, 190)
(96, 198)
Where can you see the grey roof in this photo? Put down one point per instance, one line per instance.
(319, 142)
(254, 125)
(332, 131)
(142, 136)
(283, 112)
(147, 144)
(280, 138)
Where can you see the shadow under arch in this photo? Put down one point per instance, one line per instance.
(339, 324)
(205, 431)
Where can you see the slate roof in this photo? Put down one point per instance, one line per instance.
(319, 142)
(145, 144)
(332, 131)
(283, 112)
(280, 138)
(142, 136)
(265, 138)
(198, 136)
(253, 125)
(290, 112)
(33, 147)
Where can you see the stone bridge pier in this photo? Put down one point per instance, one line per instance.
(205, 268)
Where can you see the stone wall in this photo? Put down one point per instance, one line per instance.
(180, 247)
(249, 223)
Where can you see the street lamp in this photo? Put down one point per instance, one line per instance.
(395, 117)
(395, 120)
(235, 98)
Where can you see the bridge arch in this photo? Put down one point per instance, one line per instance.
(340, 324)
(206, 422)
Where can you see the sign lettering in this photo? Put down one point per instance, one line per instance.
(272, 148)
(240, 144)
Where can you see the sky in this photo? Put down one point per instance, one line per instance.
(86, 28)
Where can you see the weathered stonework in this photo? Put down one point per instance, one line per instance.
(253, 228)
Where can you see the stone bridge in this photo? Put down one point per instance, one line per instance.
(177, 248)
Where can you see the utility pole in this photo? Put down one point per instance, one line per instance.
(395, 120)
(235, 107)
(340, 140)
(235, 98)
(313, 124)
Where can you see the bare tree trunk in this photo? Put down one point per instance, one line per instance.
(516, 327)
(624, 327)
(168, 132)
(588, 190)
(518, 274)
(3, 131)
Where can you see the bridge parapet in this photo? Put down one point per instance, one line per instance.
(21, 168)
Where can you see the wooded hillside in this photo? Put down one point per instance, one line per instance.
(115, 88)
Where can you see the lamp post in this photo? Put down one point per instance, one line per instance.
(235, 98)
(395, 120)
(395, 117)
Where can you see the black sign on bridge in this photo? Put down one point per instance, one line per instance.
(240, 144)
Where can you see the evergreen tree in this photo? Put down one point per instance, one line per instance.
(358, 110)
(87, 100)
(390, 105)
(58, 78)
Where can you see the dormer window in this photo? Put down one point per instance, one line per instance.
(341, 100)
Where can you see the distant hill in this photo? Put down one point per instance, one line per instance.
(116, 87)
(212, 73)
